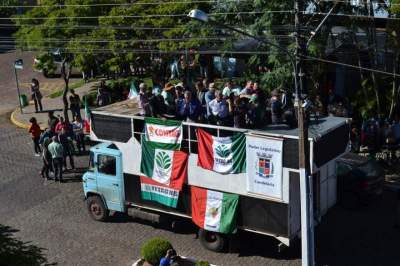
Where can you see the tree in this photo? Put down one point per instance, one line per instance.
(56, 30)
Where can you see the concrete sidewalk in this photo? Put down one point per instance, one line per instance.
(54, 104)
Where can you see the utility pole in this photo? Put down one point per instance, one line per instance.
(18, 64)
(306, 202)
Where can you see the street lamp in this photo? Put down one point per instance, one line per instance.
(18, 64)
(307, 222)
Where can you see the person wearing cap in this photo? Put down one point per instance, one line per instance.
(168, 94)
(179, 89)
(209, 96)
(57, 153)
(188, 108)
(219, 110)
(75, 104)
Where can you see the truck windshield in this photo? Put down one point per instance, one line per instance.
(91, 162)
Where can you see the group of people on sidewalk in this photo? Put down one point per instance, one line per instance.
(57, 143)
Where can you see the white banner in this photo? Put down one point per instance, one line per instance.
(264, 166)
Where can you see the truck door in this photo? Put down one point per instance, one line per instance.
(109, 180)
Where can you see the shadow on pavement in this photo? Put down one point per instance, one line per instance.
(366, 236)
(16, 252)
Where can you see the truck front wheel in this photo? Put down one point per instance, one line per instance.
(96, 208)
(212, 241)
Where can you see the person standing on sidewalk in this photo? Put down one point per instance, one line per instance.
(36, 95)
(52, 122)
(57, 155)
(35, 131)
(75, 104)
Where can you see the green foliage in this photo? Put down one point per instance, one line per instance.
(59, 92)
(202, 263)
(154, 249)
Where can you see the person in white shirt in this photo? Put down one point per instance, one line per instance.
(218, 109)
(77, 127)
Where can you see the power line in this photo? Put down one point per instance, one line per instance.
(118, 4)
(147, 16)
(351, 66)
(121, 27)
(12, 39)
(352, 16)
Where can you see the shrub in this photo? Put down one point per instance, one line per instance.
(154, 249)
(202, 263)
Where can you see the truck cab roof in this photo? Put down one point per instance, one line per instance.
(106, 147)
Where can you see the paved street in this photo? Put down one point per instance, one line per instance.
(53, 217)
(8, 89)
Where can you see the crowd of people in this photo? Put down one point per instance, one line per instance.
(228, 105)
(376, 134)
(60, 141)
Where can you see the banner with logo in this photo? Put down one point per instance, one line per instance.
(164, 134)
(151, 190)
(222, 154)
(264, 166)
(164, 166)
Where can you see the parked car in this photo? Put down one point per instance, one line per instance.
(359, 180)
(56, 69)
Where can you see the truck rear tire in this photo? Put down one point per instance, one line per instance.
(212, 241)
(96, 209)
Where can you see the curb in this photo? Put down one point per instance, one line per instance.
(16, 122)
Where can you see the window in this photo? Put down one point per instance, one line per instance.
(91, 162)
(106, 164)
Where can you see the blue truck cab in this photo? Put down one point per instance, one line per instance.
(103, 182)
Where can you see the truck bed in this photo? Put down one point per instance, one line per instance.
(274, 220)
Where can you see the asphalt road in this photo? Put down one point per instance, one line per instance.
(8, 88)
(52, 216)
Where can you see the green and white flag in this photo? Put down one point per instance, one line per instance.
(151, 190)
(214, 211)
(222, 154)
(163, 134)
(164, 166)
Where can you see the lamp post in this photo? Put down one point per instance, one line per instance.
(307, 224)
(18, 64)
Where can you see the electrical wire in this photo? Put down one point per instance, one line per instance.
(119, 4)
(351, 66)
(146, 16)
